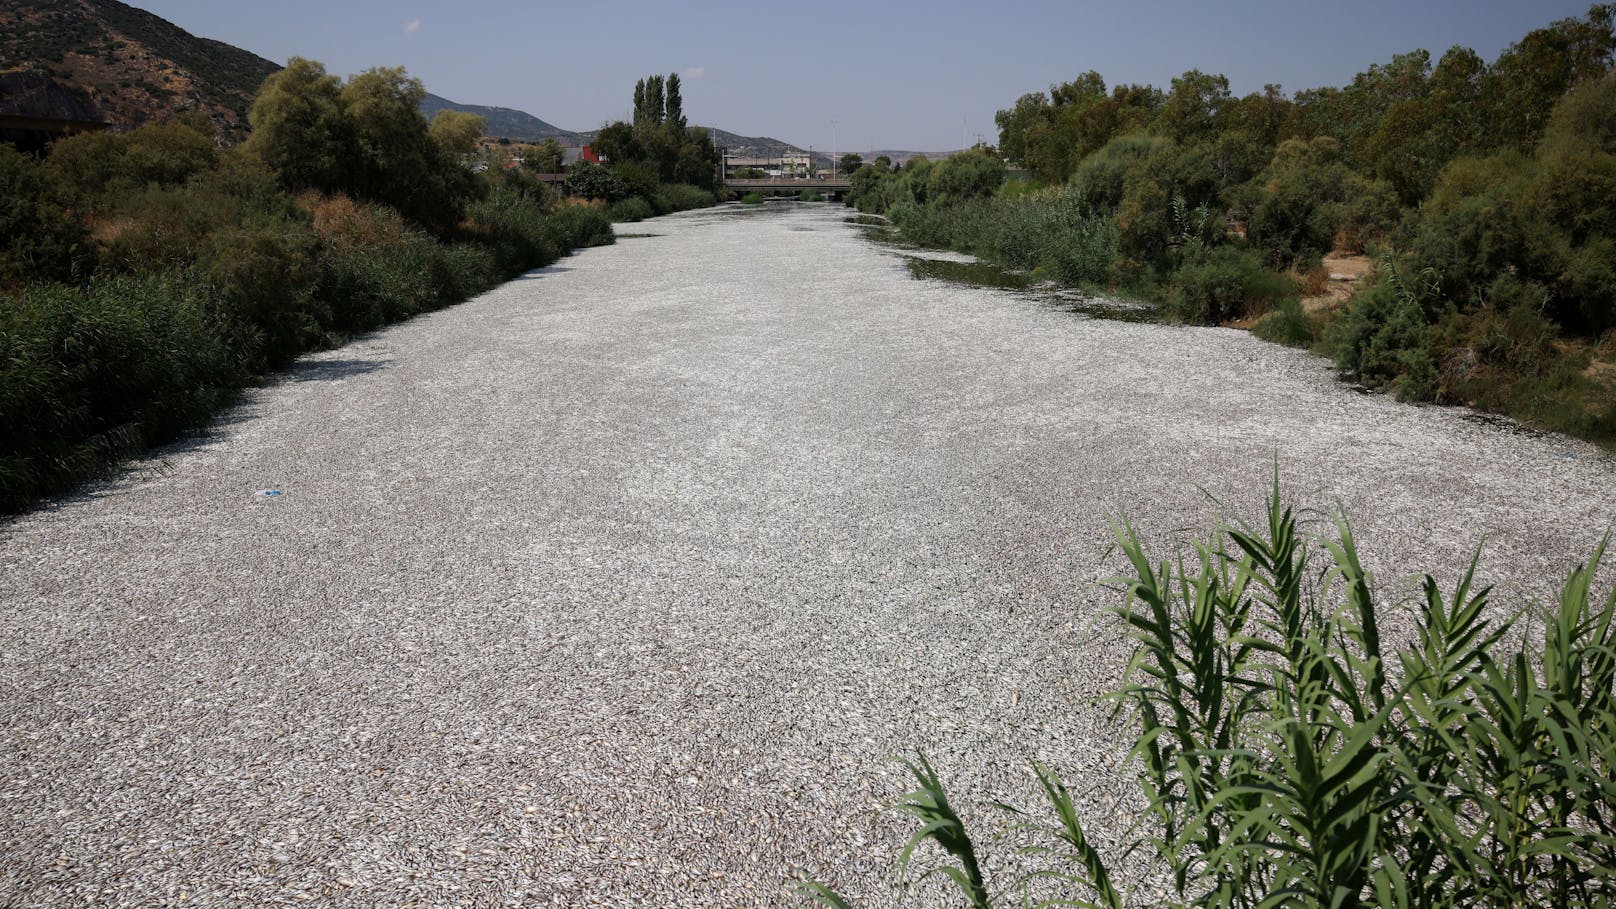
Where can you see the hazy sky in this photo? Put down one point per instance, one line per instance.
(895, 74)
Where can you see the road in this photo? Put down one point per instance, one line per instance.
(621, 584)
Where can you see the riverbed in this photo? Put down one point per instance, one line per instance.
(622, 584)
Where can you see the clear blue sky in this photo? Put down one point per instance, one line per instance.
(898, 74)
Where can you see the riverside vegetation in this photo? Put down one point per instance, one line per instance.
(1289, 756)
(1485, 191)
(146, 277)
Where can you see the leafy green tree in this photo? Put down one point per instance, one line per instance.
(660, 137)
(674, 104)
(91, 170)
(398, 162)
(301, 129)
(547, 157)
(456, 132)
(851, 162)
(588, 180)
(1193, 105)
(973, 174)
(1531, 76)
(698, 160)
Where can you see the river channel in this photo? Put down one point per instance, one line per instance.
(622, 584)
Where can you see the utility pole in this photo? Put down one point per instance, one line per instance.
(833, 159)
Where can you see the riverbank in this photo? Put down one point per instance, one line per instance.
(621, 583)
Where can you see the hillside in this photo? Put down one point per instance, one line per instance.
(504, 121)
(135, 67)
(130, 67)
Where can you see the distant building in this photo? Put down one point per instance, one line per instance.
(572, 154)
(787, 164)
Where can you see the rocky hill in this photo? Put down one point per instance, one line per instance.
(504, 121)
(109, 61)
(133, 67)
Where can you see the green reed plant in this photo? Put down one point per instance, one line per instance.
(1289, 756)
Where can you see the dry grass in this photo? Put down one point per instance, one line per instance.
(344, 224)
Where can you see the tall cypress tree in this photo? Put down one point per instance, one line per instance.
(675, 104)
(653, 100)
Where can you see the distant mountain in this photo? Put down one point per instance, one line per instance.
(110, 61)
(132, 66)
(504, 122)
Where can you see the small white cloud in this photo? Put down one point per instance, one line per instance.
(695, 72)
(412, 26)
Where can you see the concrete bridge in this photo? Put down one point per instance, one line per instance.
(828, 185)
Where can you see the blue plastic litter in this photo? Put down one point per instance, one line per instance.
(269, 493)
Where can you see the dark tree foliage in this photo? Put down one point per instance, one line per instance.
(367, 138)
(1487, 190)
(37, 238)
(659, 141)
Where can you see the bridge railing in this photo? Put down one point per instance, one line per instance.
(791, 183)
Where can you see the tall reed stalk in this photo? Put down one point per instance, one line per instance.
(1287, 761)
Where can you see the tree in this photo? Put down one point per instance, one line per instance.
(399, 164)
(674, 105)
(1531, 76)
(660, 138)
(655, 102)
(1193, 105)
(851, 162)
(974, 174)
(544, 158)
(367, 138)
(592, 181)
(300, 129)
(456, 132)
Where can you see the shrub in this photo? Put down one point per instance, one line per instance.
(632, 209)
(1286, 323)
(752, 198)
(261, 277)
(89, 375)
(683, 197)
(577, 226)
(1226, 283)
(37, 239)
(587, 180)
(516, 232)
(1385, 337)
(635, 178)
(974, 174)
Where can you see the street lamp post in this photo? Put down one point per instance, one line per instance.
(833, 161)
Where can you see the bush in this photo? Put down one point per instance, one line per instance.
(587, 180)
(975, 174)
(1385, 337)
(90, 375)
(1226, 283)
(37, 239)
(515, 231)
(261, 278)
(632, 209)
(684, 197)
(1287, 323)
(579, 226)
(752, 198)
